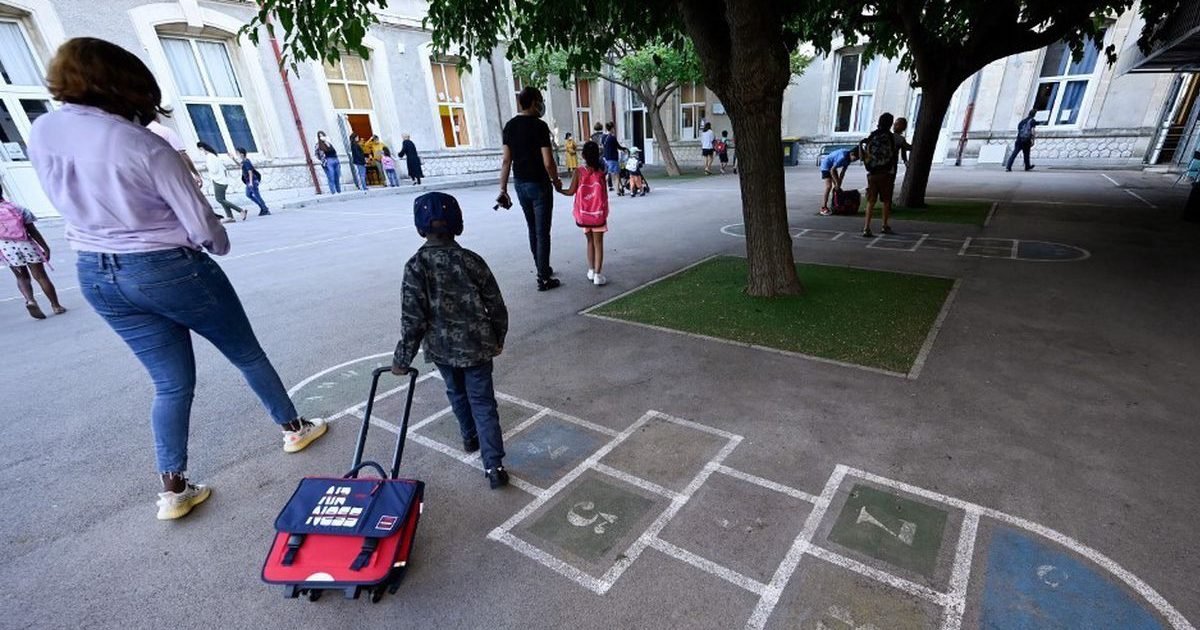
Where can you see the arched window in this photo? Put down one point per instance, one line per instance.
(210, 91)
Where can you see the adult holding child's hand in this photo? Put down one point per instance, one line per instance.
(530, 159)
(141, 228)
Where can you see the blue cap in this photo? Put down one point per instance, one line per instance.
(437, 213)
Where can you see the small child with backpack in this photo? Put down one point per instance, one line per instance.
(722, 148)
(24, 250)
(451, 303)
(637, 183)
(389, 168)
(591, 208)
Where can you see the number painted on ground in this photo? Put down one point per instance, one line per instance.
(906, 535)
(584, 514)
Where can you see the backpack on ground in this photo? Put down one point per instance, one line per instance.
(12, 223)
(880, 153)
(845, 201)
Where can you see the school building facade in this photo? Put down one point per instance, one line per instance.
(229, 92)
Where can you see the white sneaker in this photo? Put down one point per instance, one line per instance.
(173, 505)
(591, 274)
(600, 280)
(310, 430)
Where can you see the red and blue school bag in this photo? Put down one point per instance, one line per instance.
(348, 533)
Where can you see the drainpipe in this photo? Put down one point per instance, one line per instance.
(962, 140)
(287, 88)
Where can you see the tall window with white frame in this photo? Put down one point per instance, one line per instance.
(23, 93)
(583, 108)
(854, 99)
(691, 110)
(451, 106)
(350, 91)
(1063, 83)
(210, 92)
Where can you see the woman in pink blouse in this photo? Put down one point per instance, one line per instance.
(142, 228)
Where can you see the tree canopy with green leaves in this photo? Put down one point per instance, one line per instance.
(745, 48)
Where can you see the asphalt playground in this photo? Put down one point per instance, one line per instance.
(1037, 470)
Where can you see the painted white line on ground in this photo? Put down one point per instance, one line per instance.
(966, 243)
(430, 419)
(740, 344)
(697, 426)
(562, 568)
(614, 572)
(311, 243)
(521, 402)
(803, 232)
(927, 347)
(708, 566)
(767, 483)
(1140, 198)
(837, 236)
(783, 573)
(598, 428)
(295, 388)
(1173, 616)
(960, 574)
(991, 213)
(912, 588)
(646, 284)
(525, 424)
(1114, 182)
(567, 479)
(633, 480)
(920, 242)
(37, 292)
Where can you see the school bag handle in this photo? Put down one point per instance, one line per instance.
(358, 464)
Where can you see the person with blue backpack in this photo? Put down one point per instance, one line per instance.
(1025, 134)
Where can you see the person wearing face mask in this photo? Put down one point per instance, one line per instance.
(530, 160)
(328, 157)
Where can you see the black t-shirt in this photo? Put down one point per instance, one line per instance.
(525, 137)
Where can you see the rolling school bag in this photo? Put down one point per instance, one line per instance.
(846, 201)
(349, 533)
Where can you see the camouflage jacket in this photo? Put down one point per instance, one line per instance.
(451, 301)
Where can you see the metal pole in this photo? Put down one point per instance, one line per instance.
(962, 140)
(287, 88)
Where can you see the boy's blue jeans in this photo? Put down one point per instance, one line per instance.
(154, 300)
(474, 403)
(253, 195)
(393, 179)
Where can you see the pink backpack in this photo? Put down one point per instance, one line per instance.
(591, 199)
(12, 223)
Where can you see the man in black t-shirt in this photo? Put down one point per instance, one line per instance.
(530, 159)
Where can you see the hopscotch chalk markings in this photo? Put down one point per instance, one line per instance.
(597, 520)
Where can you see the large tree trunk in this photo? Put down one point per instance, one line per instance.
(654, 113)
(935, 101)
(741, 48)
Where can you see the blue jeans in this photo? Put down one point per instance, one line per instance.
(474, 403)
(360, 176)
(1023, 147)
(154, 300)
(253, 195)
(537, 201)
(393, 179)
(333, 172)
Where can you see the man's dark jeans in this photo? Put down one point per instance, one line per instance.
(474, 403)
(537, 201)
(1022, 146)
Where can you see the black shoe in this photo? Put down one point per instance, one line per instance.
(1008, 170)
(1030, 167)
(888, 230)
(471, 445)
(264, 213)
(547, 284)
(867, 233)
(497, 477)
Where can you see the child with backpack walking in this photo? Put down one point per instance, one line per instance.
(591, 208)
(637, 183)
(389, 168)
(722, 148)
(252, 178)
(450, 301)
(24, 250)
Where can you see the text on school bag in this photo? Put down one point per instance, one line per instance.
(12, 223)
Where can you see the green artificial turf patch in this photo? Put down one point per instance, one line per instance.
(944, 211)
(876, 319)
